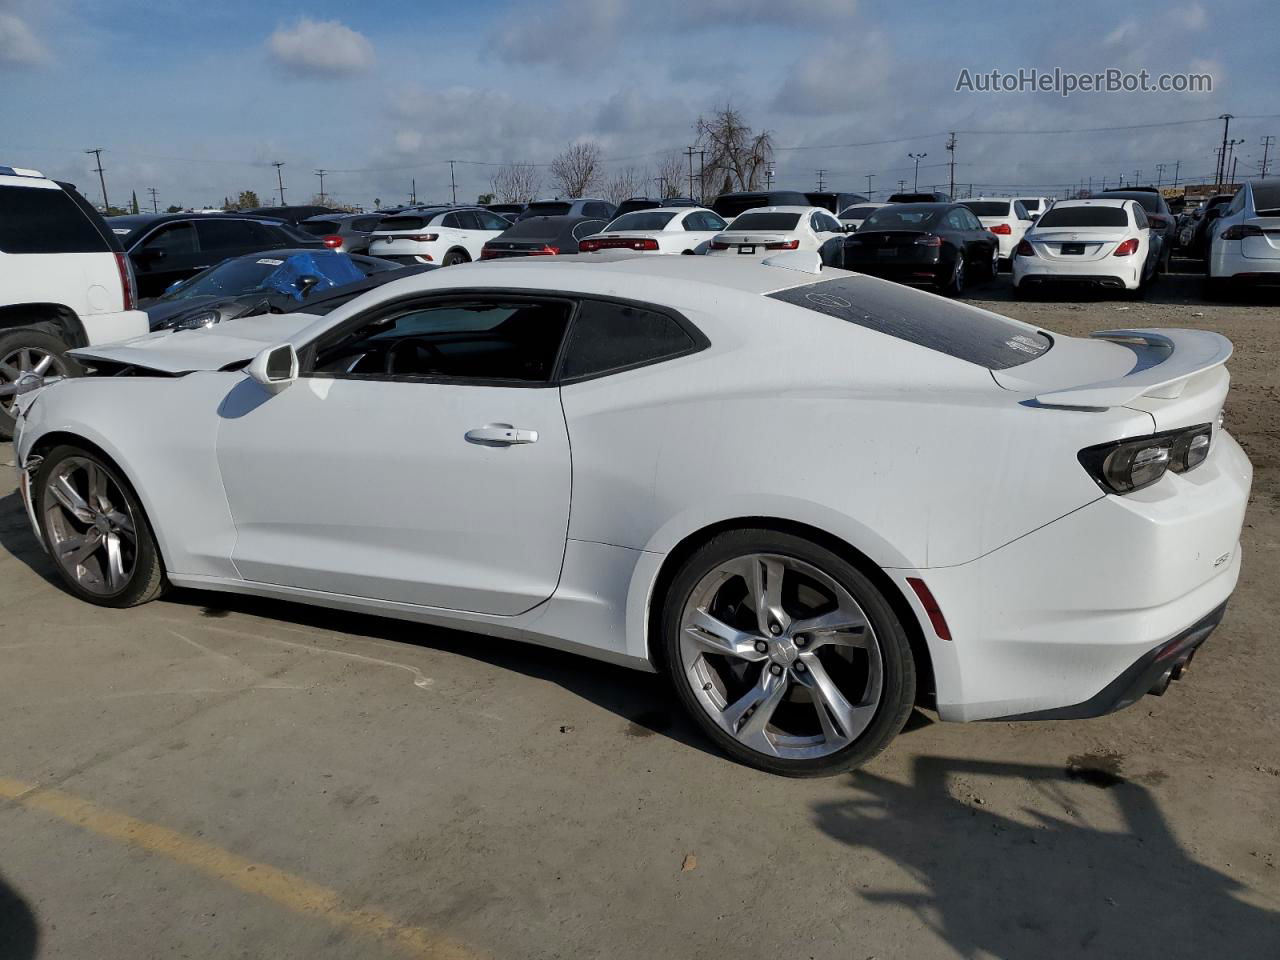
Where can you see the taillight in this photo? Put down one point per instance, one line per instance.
(617, 243)
(424, 237)
(1003, 229)
(1242, 230)
(929, 240)
(1127, 465)
(783, 245)
(547, 251)
(333, 241)
(129, 290)
(719, 245)
(1156, 221)
(1024, 249)
(487, 252)
(1127, 249)
(588, 246)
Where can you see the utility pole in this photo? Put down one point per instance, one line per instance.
(951, 149)
(690, 151)
(453, 184)
(1234, 161)
(768, 177)
(1226, 119)
(1137, 175)
(97, 153)
(155, 206)
(902, 186)
(1267, 141)
(821, 178)
(320, 174)
(917, 157)
(869, 176)
(1227, 163)
(279, 178)
(1160, 174)
(1176, 167)
(702, 176)
(413, 191)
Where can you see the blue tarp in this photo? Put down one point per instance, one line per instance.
(334, 270)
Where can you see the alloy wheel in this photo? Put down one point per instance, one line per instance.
(781, 656)
(91, 528)
(26, 367)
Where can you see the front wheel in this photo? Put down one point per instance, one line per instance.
(94, 529)
(787, 655)
(27, 358)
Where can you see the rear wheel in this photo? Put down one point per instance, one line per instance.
(786, 654)
(454, 257)
(954, 286)
(27, 358)
(95, 530)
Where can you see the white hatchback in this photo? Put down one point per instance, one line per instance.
(1006, 217)
(1100, 243)
(441, 235)
(764, 231)
(661, 230)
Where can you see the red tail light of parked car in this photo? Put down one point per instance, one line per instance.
(617, 243)
(1127, 249)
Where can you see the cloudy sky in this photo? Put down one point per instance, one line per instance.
(197, 99)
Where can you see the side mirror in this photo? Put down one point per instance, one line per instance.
(275, 367)
(304, 284)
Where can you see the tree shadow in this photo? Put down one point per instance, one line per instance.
(1050, 884)
(19, 933)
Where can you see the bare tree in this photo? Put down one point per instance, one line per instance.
(627, 182)
(576, 171)
(516, 183)
(735, 153)
(672, 175)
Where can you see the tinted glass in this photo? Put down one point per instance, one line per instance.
(35, 220)
(641, 221)
(630, 206)
(229, 279)
(173, 238)
(766, 221)
(550, 208)
(1061, 216)
(597, 209)
(901, 218)
(1266, 195)
(319, 228)
(1151, 202)
(989, 208)
(858, 213)
(955, 329)
(225, 234)
(491, 221)
(537, 227)
(586, 228)
(451, 220)
(611, 336)
(1032, 204)
(402, 223)
(364, 223)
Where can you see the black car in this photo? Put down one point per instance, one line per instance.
(632, 204)
(729, 205)
(257, 283)
(1161, 218)
(942, 244)
(541, 236)
(931, 196)
(508, 210)
(580, 207)
(835, 202)
(164, 248)
(294, 215)
(1198, 246)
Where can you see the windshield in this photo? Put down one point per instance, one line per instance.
(895, 218)
(858, 213)
(1061, 216)
(766, 221)
(641, 221)
(956, 329)
(546, 209)
(989, 208)
(245, 275)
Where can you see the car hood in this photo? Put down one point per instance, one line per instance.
(211, 348)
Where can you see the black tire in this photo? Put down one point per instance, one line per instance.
(12, 341)
(146, 581)
(455, 257)
(955, 284)
(898, 664)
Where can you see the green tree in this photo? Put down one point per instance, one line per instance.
(248, 200)
(173, 208)
(133, 206)
(484, 198)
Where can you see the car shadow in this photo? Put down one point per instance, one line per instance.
(17, 538)
(19, 932)
(1047, 883)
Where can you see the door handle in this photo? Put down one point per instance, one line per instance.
(500, 435)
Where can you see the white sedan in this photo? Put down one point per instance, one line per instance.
(1006, 217)
(851, 218)
(439, 235)
(585, 453)
(660, 230)
(765, 231)
(1105, 244)
(1244, 244)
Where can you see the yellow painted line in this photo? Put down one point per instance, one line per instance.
(280, 887)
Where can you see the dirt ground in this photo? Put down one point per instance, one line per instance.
(212, 777)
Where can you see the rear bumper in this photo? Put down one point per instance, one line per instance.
(1073, 280)
(1064, 616)
(110, 327)
(905, 270)
(1226, 261)
(408, 260)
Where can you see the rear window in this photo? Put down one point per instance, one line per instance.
(403, 223)
(1266, 197)
(858, 213)
(537, 227)
(730, 205)
(1149, 202)
(896, 218)
(548, 209)
(1061, 216)
(319, 228)
(641, 221)
(989, 208)
(1031, 203)
(945, 326)
(40, 220)
(766, 221)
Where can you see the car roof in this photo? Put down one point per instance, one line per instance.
(1096, 202)
(785, 209)
(143, 219)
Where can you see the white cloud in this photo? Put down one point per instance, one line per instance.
(320, 48)
(19, 46)
(1192, 16)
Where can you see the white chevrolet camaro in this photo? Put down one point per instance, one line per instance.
(813, 498)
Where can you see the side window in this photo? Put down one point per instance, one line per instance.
(174, 238)
(364, 223)
(596, 209)
(1019, 211)
(451, 220)
(484, 339)
(1237, 203)
(972, 219)
(1140, 217)
(693, 222)
(491, 221)
(833, 224)
(615, 336)
(955, 220)
(587, 227)
(217, 235)
(44, 220)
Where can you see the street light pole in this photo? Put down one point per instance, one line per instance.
(917, 157)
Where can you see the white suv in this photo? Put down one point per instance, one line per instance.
(441, 235)
(64, 282)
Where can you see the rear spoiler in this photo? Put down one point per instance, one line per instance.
(1167, 359)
